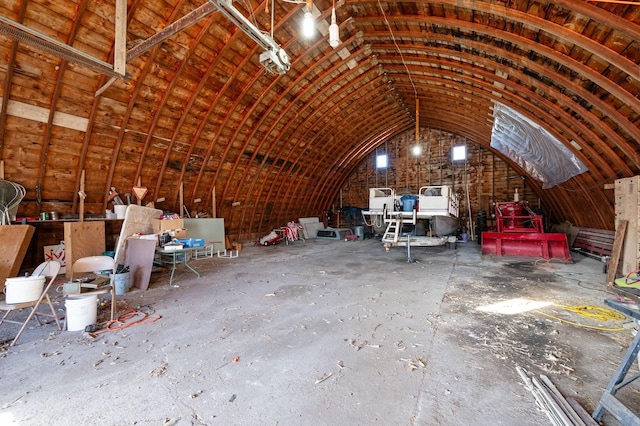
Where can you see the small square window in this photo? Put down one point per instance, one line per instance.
(382, 161)
(459, 153)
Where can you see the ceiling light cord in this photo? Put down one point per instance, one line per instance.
(415, 91)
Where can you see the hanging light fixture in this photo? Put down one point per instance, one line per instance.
(334, 30)
(308, 23)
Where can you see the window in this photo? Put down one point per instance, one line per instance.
(382, 161)
(459, 153)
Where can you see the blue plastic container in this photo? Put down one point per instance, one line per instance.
(408, 202)
(191, 242)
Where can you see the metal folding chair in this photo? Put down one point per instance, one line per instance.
(96, 264)
(47, 269)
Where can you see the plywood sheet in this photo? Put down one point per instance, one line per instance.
(15, 241)
(627, 208)
(615, 252)
(139, 258)
(210, 230)
(82, 239)
(137, 220)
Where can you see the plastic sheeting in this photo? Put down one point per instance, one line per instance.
(534, 149)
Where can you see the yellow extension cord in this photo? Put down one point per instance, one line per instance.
(590, 312)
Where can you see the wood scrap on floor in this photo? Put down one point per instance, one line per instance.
(549, 399)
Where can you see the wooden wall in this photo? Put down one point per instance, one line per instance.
(487, 176)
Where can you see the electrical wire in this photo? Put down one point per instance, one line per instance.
(589, 312)
(415, 91)
(252, 15)
(578, 282)
(595, 312)
(545, 264)
(129, 318)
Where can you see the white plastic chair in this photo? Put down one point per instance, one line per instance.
(93, 264)
(50, 269)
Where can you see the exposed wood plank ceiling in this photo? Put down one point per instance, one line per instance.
(199, 108)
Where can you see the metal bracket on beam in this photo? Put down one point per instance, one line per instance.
(274, 58)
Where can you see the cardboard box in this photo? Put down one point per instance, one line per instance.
(152, 237)
(159, 226)
(178, 233)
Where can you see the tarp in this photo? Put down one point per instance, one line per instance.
(533, 148)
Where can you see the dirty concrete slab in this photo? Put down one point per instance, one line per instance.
(323, 332)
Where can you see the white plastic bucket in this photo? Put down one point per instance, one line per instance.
(23, 289)
(81, 311)
(120, 210)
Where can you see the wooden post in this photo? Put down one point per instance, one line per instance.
(139, 184)
(181, 198)
(417, 144)
(82, 197)
(213, 202)
(120, 54)
(2, 169)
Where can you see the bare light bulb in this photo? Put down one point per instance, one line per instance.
(417, 150)
(308, 25)
(334, 30)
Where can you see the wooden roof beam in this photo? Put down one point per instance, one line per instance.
(352, 97)
(172, 29)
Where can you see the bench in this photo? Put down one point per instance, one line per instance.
(594, 242)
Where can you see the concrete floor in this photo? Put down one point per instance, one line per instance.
(324, 332)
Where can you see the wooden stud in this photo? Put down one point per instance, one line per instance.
(181, 195)
(213, 202)
(120, 52)
(139, 184)
(82, 196)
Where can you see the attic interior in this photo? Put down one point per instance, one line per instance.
(278, 129)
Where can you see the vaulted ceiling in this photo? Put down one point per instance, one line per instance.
(199, 109)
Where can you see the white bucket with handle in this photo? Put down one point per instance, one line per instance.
(23, 289)
(81, 311)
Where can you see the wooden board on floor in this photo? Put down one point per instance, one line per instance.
(139, 259)
(82, 239)
(15, 241)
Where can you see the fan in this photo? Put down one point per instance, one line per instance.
(11, 194)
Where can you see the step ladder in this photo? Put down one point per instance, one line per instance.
(393, 230)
